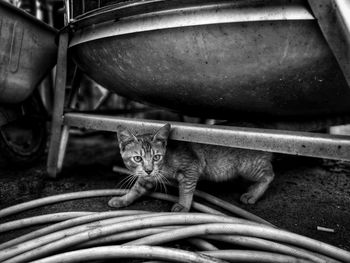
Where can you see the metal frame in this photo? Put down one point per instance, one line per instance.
(288, 142)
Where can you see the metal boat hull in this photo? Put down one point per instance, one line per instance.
(271, 66)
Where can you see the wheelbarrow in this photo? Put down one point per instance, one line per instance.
(217, 59)
(27, 54)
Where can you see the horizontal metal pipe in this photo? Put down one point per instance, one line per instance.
(297, 143)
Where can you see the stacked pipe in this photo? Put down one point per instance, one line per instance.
(213, 235)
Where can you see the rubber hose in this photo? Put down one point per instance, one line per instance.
(69, 223)
(124, 236)
(253, 256)
(41, 241)
(202, 244)
(246, 230)
(266, 245)
(58, 198)
(37, 220)
(99, 228)
(68, 238)
(141, 252)
(231, 208)
(30, 245)
(133, 234)
(195, 205)
(87, 194)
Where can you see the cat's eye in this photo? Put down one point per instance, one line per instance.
(137, 159)
(157, 157)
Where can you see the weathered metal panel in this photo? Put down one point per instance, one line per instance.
(27, 52)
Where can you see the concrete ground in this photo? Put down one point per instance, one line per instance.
(305, 194)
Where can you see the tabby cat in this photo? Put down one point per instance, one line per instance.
(153, 159)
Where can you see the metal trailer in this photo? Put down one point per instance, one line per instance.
(252, 59)
(27, 53)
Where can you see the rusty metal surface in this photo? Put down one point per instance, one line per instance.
(210, 60)
(296, 143)
(27, 53)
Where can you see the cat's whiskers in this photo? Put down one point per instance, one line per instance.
(131, 182)
(165, 179)
(122, 183)
(127, 182)
(162, 181)
(156, 181)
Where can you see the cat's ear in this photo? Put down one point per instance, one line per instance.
(162, 134)
(124, 137)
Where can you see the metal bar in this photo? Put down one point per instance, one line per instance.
(105, 96)
(68, 11)
(296, 143)
(333, 17)
(62, 147)
(77, 76)
(58, 106)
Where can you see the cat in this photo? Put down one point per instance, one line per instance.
(152, 159)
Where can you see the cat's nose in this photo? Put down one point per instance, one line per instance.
(148, 171)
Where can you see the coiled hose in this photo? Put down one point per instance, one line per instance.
(88, 236)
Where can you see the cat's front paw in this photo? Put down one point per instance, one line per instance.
(117, 202)
(248, 198)
(179, 208)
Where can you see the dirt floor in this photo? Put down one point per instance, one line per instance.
(305, 194)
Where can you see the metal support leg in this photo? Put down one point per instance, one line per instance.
(333, 17)
(58, 107)
(65, 130)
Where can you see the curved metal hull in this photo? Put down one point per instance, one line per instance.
(27, 53)
(268, 65)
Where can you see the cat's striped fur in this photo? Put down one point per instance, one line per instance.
(152, 159)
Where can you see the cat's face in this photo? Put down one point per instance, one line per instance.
(143, 155)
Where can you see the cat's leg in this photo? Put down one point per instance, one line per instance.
(140, 188)
(187, 186)
(262, 179)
